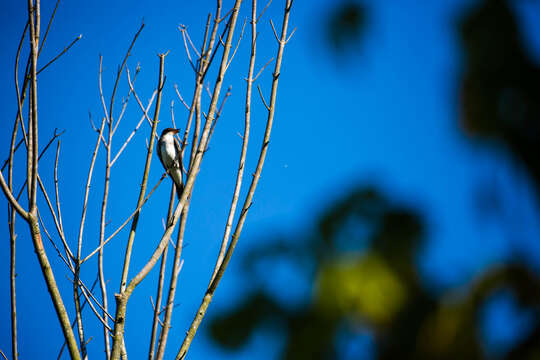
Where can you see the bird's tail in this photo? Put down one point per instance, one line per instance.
(176, 175)
(179, 189)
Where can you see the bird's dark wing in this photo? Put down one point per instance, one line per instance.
(177, 146)
(159, 154)
(178, 154)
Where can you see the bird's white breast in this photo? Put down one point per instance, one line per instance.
(168, 150)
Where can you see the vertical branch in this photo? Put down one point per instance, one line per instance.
(122, 299)
(207, 53)
(120, 312)
(169, 305)
(12, 267)
(12, 277)
(52, 288)
(159, 294)
(142, 192)
(33, 19)
(78, 311)
(11, 212)
(87, 189)
(102, 284)
(32, 176)
(264, 149)
(121, 69)
(247, 203)
(110, 118)
(78, 262)
(245, 139)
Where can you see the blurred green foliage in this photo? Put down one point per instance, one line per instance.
(500, 87)
(360, 259)
(346, 24)
(368, 281)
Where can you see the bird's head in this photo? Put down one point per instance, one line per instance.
(169, 131)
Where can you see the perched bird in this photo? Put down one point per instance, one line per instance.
(168, 150)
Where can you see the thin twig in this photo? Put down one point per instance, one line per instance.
(119, 73)
(264, 67)
(182, 29)
(191, 43)
(101, 92)
(262, 12)
(66, 49)
(6, 162)
(237, 44)
(134, 130)
(69, 254)
(125, 222)
(180, 97)
(143, 109)
(58, 252)
(57, 192)
(73, 323)
(126, 100)
(48, 27)
(3, 355)
(262, 98)
(218, 113)
(87, 188)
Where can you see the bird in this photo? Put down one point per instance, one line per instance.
(168, 150)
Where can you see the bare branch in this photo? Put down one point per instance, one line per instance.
(146, 172)
(122, 299)
(3, 355)
(218, 20)
(125, 222)
(182, 29)
(245, 139)
(161, 280)
(180, 97)
(237, 44)
(274, 30)
(262, 98)
(191, 43)
(101, 92)
(218, 113)
(73, 323)
(13, 202)
(134, 130)
(58, 252)
(6, 162)
(69, 254)
(48, 27)
(143, 109)
(264, 67)
(125, 101)
(57, 192)
(128, 52)
(262, 12)
(247, 202)
(87, 296)
(87, 189)
(66, 49)
(177, 264)
(290, 36)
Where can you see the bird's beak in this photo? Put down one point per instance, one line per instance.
(176, 131)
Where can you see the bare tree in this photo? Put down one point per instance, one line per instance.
(217, 50)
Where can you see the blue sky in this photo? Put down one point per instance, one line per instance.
(387, 114)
